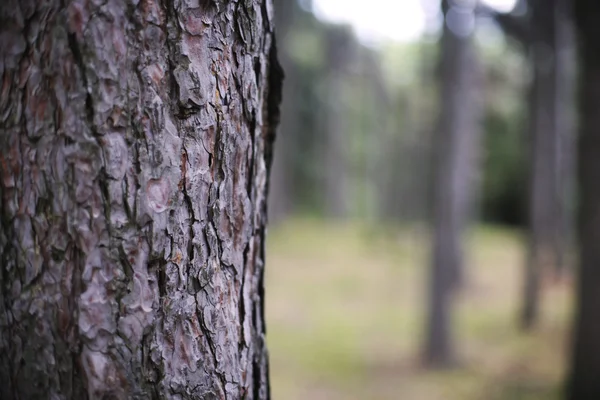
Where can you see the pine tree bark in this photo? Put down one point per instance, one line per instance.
(136, 141)
(585, 362)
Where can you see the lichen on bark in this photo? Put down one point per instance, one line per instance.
(135, 142)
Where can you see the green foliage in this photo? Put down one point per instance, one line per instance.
(506, 140)
(504, 186)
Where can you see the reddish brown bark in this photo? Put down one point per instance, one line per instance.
(135, 146)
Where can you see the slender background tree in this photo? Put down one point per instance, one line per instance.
(457, 142)
(545, 32)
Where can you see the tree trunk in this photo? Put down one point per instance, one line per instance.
(457, 144)
(546, 197)
(547, 36)
(281, 193)
(565, 124)
(136, 141)
(585, 363)
(338, 44)
(541, 186)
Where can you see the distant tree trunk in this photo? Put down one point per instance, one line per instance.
(456, 147)
(281, 193)
(585, 363)
(339, 52)
(547, 34)
(548, 130)
(135, 148)
(566, 56)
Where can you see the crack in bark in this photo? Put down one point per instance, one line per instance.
(78, 58)
(211, 345)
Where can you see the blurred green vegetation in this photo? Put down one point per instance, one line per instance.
(345, 306)
(505, 140)
(382, 103)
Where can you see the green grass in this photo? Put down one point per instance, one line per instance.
(345, 307)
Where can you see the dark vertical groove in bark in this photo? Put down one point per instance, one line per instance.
(134, 153)
(274, 97)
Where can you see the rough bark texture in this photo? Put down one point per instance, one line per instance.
(584, 382)
(135, 146)
(456, 148)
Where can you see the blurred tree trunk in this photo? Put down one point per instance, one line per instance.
(585, 363)
(135, 147)
(456, 143)
(281, 193)
(547, 34)
(549, 150)
(566, 56)
(339, 52)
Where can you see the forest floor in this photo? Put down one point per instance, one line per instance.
(345, 307)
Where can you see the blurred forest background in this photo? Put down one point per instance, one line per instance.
(422, 205)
